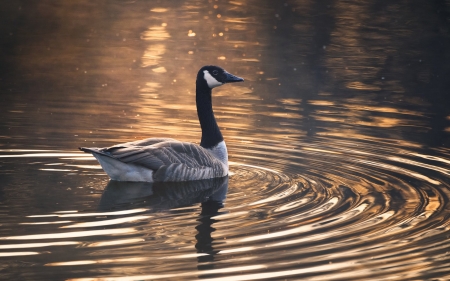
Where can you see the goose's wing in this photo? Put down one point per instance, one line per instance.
(144, 142)
(169, 160)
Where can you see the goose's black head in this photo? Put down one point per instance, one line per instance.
(214, 76)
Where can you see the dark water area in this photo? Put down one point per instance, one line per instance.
(338, 140)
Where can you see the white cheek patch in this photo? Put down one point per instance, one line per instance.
(210, 80)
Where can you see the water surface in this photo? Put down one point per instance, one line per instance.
(338, 140)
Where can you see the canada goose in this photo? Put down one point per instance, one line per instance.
(164, 159)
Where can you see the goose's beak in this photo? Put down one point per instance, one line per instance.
(230, 78)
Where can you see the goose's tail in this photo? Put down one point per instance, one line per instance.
(95, 151)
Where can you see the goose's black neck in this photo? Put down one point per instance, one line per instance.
(211, 134)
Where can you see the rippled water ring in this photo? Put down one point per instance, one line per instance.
(337, 221)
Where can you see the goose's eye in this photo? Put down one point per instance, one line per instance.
(215, 72)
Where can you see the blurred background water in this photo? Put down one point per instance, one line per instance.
(338, 139)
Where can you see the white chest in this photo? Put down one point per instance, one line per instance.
(220, 152)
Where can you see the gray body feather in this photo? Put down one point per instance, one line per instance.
(160, 160)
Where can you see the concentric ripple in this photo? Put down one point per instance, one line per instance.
(366, 215)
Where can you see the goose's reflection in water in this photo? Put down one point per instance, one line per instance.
(163, 195)
(204, 245)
